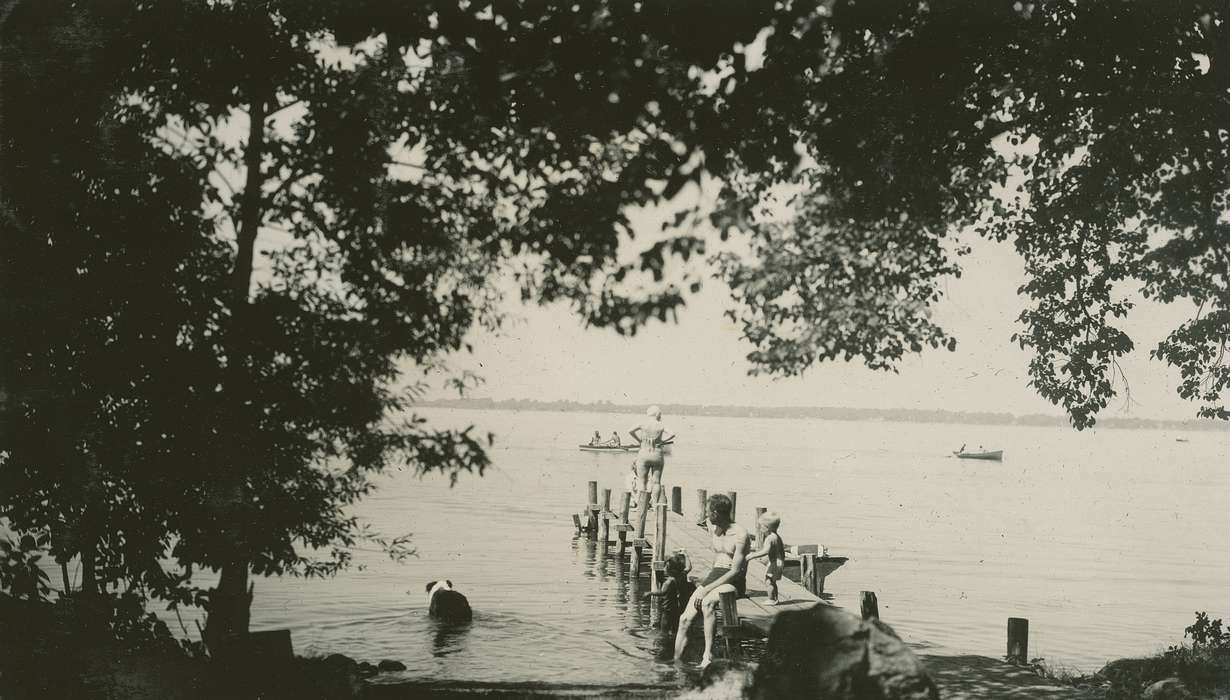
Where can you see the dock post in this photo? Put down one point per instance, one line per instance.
(592, 509)
(730, 624)
(756, 528)
(576, 520)
(604, 521)
(640, 523)
(807, 572)
(659, 548)
(734, 497)
(623, 526)
(870, 606)
(677, 500)
(702, 502)
(1018, 640)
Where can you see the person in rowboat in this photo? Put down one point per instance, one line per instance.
(615, 440)
(596, 439)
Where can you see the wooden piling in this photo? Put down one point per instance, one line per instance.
(644, 513)
(807, 572)
(730, 624)
(604, 521)
(756, 528)
(592, 509)
(734, 497)
(623, 527)
(677, 499)
(1018, 640)
(702, 509)
(869, 605)
(659, 548)
(576, 520)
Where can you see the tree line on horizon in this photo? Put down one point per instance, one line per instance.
(904, 415)
(235, 236)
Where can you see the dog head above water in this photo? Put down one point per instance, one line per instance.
(433, 586)
(446, 604)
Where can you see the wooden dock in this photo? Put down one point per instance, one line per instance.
(754, 611)
(665, 528)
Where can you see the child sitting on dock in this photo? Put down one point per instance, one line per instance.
(775, 549)
(676, 590)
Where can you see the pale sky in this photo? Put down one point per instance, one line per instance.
(547, 354)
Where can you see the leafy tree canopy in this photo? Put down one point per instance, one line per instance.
(225, 244)
(1087, 134)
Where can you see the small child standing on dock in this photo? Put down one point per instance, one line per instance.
(773, 548)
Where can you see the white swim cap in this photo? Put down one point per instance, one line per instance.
(653, 411)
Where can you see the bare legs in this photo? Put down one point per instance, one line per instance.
(709, 609)
(642, 474)
(648, 476)
(655, 478)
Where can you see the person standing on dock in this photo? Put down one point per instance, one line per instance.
(650, 459)
(774, 549)
(731, 543)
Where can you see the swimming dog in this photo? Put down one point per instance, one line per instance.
(446, 604)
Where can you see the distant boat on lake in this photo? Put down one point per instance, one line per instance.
(1180, 440)
(992, 455)
(628, 447)
(607, 448)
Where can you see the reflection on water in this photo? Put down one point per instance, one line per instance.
(1105, 541)
(448, 638)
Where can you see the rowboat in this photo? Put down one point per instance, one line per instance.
(629, 447)
(993, 455)
(607, 448)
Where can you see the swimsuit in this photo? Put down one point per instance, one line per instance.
(739, 581)
(650, 453)
(724, 547)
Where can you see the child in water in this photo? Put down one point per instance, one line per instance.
(773, 548)
(676, 590)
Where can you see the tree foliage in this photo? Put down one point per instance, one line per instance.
(1087, 134)
(264, 212)
(230, 242)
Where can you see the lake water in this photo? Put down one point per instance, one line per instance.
(1106, 541)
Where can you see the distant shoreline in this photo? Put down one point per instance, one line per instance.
(898, 415)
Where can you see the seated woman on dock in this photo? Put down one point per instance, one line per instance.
(731, 543)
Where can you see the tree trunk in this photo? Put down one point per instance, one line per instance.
(89, 582)
(230, 602)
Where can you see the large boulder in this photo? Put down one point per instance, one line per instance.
(1166, 689)
(828, 653)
